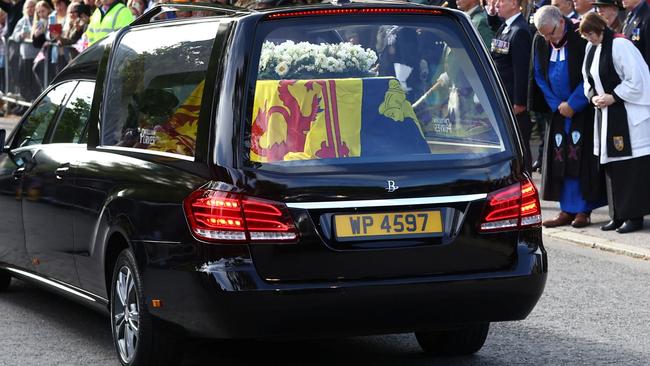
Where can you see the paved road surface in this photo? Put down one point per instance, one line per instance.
(594, 312)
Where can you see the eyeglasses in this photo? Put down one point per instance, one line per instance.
(546, 36)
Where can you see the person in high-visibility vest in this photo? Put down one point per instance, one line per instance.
(111, 16)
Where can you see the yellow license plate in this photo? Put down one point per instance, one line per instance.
(381, 225)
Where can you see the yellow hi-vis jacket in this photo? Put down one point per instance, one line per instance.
(118, 16)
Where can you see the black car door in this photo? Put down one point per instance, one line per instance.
(12, 238)
(48, 227)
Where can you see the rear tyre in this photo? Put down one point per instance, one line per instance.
(139, 339)
(454, 342)
(5, 280)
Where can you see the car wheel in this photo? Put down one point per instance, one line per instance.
(5, 280)
(140, 340)
(454, 342)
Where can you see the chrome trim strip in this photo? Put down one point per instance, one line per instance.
(67, 288)
(108, 148)
(465, 144)
(388, 202)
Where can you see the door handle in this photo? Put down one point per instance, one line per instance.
(62, 170)
(18, 173)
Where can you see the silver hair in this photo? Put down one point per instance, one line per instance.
(547, 15)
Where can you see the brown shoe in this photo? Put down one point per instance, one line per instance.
(581, 220)
(563, 218)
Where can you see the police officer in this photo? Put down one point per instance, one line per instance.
(111, 16)
(637, 26)
(511, 48)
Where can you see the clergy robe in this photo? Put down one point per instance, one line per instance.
(570, 173)
(627, 176)
(634, 89)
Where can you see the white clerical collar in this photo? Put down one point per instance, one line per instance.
(571, 14)
(558, 54)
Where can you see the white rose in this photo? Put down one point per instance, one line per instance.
(282, 69)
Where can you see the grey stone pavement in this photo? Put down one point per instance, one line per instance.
(635, 244)
(8, 123)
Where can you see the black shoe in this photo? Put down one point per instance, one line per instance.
(537, 165)
(612, 225)
(630, 226)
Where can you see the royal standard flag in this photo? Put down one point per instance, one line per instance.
(333, 118)
(178, 134)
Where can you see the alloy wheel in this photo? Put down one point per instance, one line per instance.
(126, 315)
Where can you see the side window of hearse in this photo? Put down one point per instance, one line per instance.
(74, 117)
(155, 86)
(34, 127)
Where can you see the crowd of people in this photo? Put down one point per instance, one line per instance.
(577, 70)
(40, 37)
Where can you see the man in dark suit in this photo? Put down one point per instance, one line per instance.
(637, 26)
(511, 49)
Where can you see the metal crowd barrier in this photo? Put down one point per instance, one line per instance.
(11, 91)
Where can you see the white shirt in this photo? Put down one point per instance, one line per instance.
(634, 89)
(509, 22)
(580, 16)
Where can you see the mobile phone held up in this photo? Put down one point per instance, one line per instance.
(55, 28)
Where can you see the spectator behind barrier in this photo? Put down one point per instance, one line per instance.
(23, 35)
(75, 26)
(136, 7)
(14, 10)
(39, 29)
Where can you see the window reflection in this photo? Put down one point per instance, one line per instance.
(75, 115)
(156, 87)
(35, 125)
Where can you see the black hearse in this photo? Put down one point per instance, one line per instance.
(315, 171)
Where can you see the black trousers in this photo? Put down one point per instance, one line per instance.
(628, 195)
(28, 85)
(12, 58)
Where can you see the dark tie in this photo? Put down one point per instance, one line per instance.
(500, 30)
(628, 21)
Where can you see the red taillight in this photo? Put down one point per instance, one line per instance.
(512, 207)
(348, 11)
(224, 217)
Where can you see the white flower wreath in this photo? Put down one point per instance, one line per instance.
(289, 60)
